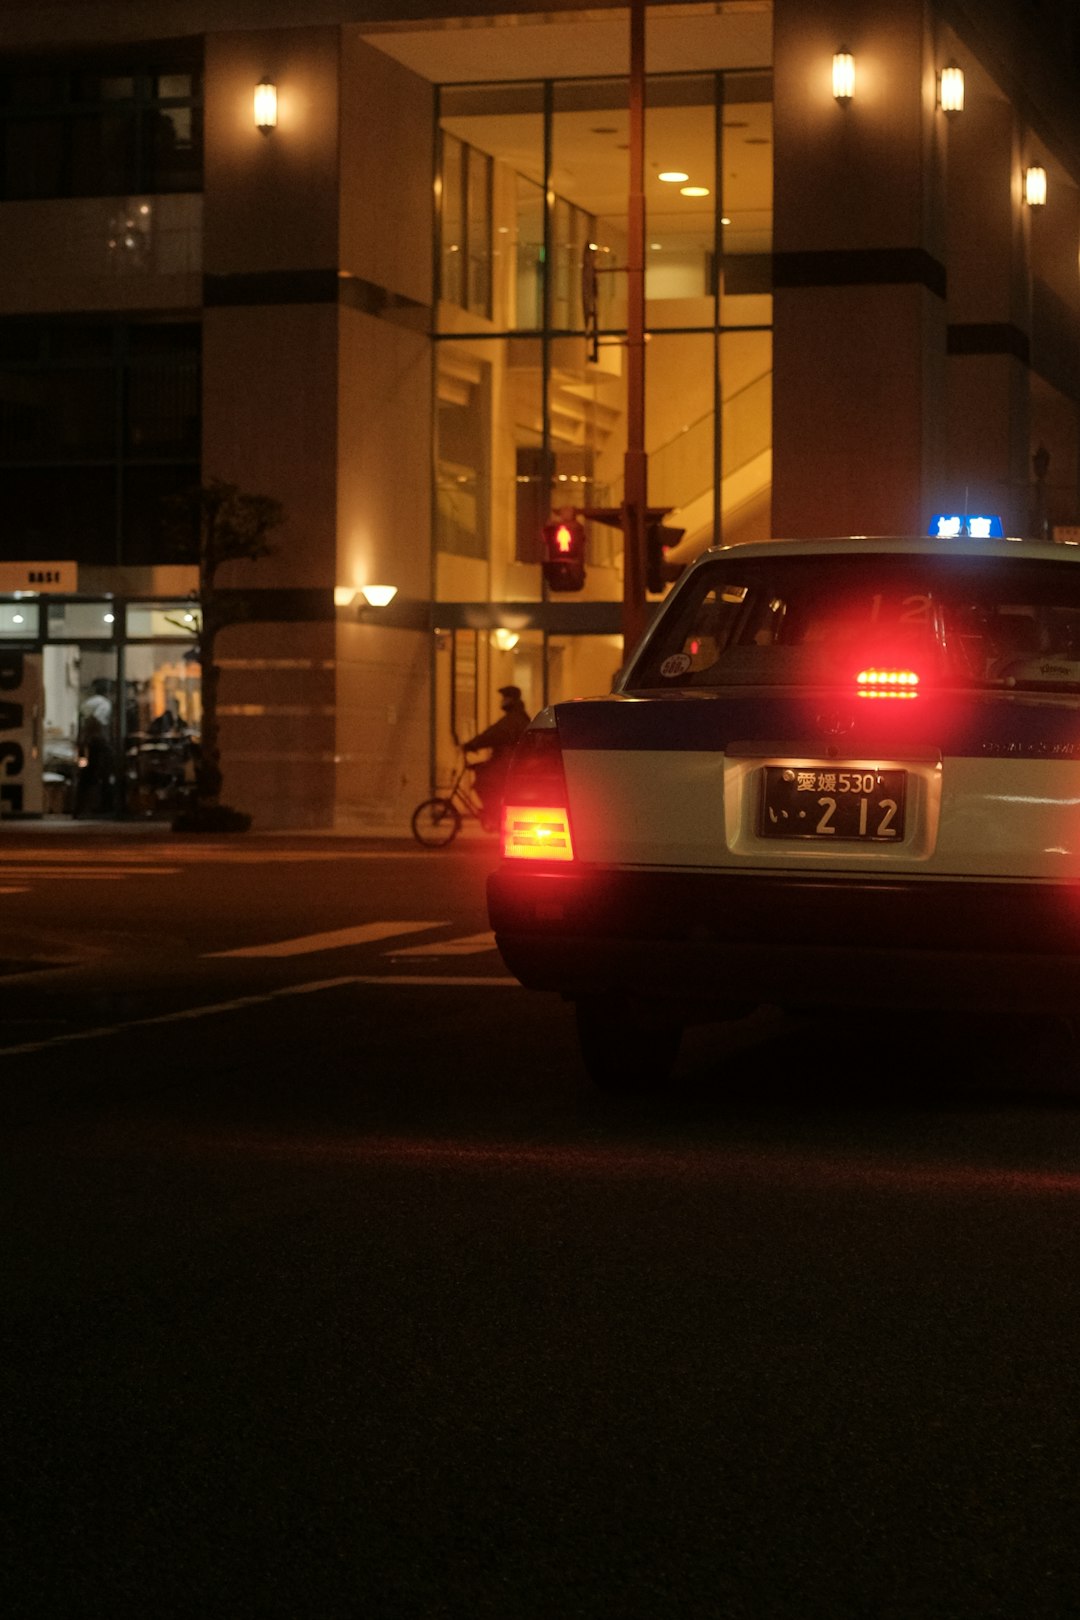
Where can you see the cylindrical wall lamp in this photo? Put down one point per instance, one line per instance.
(1035, 186)
(951, 89)
(843, 75)
(266, 106)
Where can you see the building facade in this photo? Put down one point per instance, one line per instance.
(398, 304)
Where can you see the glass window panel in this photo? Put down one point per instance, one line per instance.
(33, 158)
(590, 171)
(163, 619)
(520, 476)
(452, 283)
(77, 340)
(746, 261)
(462, 447)
(162, 411)
(527, 230)
(102, 155)
(165, 337)
(57, 415)
(111, 89)
(680, 227)
(19, 619)
(54, 512)
(745, 362)
(172, 150)
(148, 538)
(681, 433)
(173, 84)
(21, 340)
(504, 126)
(33, 89)
(84, 621)
(478, 232)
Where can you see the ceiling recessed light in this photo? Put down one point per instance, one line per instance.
(675, 177)
(724, 220)
(655, 246)
(694, 191)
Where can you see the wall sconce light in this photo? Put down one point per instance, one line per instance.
(266, 106)
(505, 640)
(951, 89)
(378, 595)
(843, 76)
(344, 595)
(1035, 186)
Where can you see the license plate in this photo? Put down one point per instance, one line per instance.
(826, 803)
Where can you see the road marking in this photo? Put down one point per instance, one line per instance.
(187, 1014)
(469, 945)
(364, 934)
(105, 872)
(458, 981)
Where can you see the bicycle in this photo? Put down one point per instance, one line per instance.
(437, 821)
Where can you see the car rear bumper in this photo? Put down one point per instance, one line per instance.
(705, 942)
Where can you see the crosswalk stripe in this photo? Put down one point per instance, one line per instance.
(469, 945)
(364, 934)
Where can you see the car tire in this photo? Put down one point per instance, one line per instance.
(624, 1056)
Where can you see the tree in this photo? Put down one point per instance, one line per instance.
(226, 525)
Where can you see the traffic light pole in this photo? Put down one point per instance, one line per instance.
(635, 464)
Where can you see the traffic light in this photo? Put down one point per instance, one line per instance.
(658, 571)
(564, 554)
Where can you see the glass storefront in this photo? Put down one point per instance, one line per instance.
(103, 705)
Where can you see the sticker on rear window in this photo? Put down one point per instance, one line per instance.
(677, 664)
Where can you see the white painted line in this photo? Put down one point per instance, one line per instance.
(241, 1002)
(469, 945)
(364, 934)
(458, 981)
(105, 872)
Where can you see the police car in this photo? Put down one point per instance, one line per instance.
(833, 773)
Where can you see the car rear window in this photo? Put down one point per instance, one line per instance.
(960, 621)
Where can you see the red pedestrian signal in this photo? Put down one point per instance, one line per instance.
(564, 554)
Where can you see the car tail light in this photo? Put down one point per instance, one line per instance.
(887, 683)
(536, 819)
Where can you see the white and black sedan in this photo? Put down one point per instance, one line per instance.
(833, 773)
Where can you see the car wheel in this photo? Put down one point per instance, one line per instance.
(622, 1055)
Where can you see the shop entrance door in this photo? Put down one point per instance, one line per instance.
(21, 717)
(83, 754)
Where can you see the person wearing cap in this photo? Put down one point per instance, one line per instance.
(501, 737)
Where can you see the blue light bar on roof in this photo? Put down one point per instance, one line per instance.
(950, 525)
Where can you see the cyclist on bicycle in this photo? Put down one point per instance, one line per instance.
(500, 737)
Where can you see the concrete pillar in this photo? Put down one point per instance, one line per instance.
(270, 382)
(989, 307)
(859, 300)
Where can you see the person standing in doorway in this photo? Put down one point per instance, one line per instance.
(501, 737)
(95, 784)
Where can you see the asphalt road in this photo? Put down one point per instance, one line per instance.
(333, 1290)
